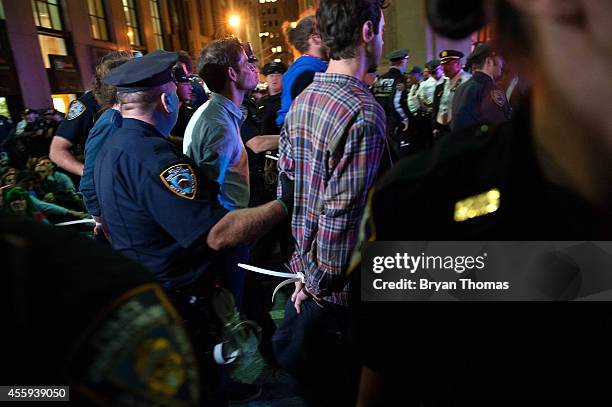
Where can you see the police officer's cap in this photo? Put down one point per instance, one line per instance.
(140, 74)
(274, 68)
(180, 73)
(449, 55)
(480, 53)
(433, 64)
(398, 55)
(416, 70)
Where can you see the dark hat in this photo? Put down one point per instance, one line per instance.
(398, 55)
(433, 64)
(480, 53)
(140, 74)
(181, 74)
(274, 67)
(416, 69)
(449, 55)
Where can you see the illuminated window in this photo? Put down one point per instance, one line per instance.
(1, 11)
(47, 14)
(51, 45)
(131, 21)
(97, 20)
(157, 25)
(61, 102)
(4, 110)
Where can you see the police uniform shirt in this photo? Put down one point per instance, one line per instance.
(479, 101)
(155, 204)
(427, 91)
(384, 91)
(79, 119)
(249, 129)
(414, 104)
(444, 97)
(269, 106)
(469, 353)
(71, 305)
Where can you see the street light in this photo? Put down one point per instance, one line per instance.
(234, 21)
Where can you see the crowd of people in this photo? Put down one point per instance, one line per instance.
(30, 182)
(190, 175)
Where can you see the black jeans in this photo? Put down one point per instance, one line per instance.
(313, 347)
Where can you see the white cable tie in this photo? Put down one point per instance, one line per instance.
(77, 222)
(290, 277)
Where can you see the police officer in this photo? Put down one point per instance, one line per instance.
(454, 76)
(384, 90)
(270, 104)
(123, 316)
(480, 100)
(159, 210)
(523, 180)
(183, 77)
(69, 140)
(422, 107)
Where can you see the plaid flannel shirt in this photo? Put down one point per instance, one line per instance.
(330, 145)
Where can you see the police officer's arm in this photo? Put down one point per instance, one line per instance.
(61, 154)
(245, 225)
(259, 144)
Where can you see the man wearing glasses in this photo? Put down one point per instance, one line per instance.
(212, 138)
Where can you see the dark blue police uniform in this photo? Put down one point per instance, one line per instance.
(155, 204)
(79, 119)
(479, 101)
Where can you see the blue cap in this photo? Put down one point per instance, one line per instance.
(140, 74)
(433, 64)
(416, 69)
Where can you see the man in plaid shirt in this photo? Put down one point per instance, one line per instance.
(330, 146)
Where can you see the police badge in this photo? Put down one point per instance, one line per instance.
(181, 180)
(75, 110)
(498, 97)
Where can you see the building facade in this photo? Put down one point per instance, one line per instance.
(407, 27)
(272, 15)
(49, 48)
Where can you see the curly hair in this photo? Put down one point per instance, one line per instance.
(106, 95)
(339, 22)
(216, 58)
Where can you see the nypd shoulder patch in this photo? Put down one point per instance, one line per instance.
(76, 109)
(181, 180)
(498, 97)
(136, 350)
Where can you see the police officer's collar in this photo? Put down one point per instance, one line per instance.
(481, 76)
(135, 124)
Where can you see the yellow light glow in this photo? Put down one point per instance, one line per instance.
(293, 24)
(234, 21)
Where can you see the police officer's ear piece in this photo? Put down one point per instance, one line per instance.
(455, 19)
